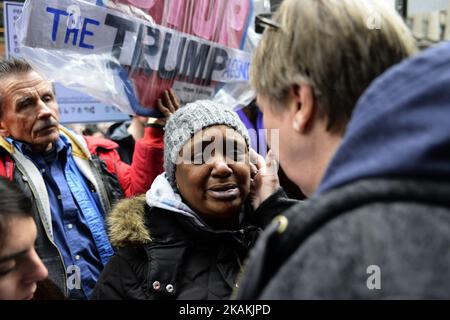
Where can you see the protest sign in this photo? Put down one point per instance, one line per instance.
(128, 55)
(74, 107)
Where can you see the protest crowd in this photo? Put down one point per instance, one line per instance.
(331, 182)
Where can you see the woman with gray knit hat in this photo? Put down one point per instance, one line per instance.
(188, 236)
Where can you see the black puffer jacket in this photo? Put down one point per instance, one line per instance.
(165, 255)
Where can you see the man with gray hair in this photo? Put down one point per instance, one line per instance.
(73, 180)
(374, 165)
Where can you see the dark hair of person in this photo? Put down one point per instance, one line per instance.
(13, 202)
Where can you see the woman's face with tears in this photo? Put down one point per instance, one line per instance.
(213, 176)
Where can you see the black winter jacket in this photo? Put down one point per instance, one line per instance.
(164, 255)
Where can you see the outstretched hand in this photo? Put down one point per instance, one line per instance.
(265, 179)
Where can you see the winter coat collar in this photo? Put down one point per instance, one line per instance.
(161, 195)
(126, 223)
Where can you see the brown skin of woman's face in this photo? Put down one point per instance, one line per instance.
(214, 175)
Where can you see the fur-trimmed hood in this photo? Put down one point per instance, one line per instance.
(126, 223)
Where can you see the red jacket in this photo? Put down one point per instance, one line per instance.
(135, 178)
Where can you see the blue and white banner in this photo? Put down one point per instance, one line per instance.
(129, 60)
(74, 106)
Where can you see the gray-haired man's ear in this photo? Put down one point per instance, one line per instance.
(305, 107)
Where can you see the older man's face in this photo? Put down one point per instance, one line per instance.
(30, 110)
(279, 119)
(292, 149)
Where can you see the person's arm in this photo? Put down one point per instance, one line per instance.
(148, 155)
(147, 163)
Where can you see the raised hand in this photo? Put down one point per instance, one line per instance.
(167, 105)
(265, 179)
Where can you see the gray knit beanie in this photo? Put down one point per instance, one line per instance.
(189, 120)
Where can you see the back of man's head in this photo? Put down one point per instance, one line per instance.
(337, 46)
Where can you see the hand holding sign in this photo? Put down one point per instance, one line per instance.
(168, 104)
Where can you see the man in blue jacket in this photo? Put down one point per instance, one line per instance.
(73, 180)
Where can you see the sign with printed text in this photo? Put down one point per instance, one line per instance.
(194, 47)
(74, 107)
(96, 29)
(11, 11)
